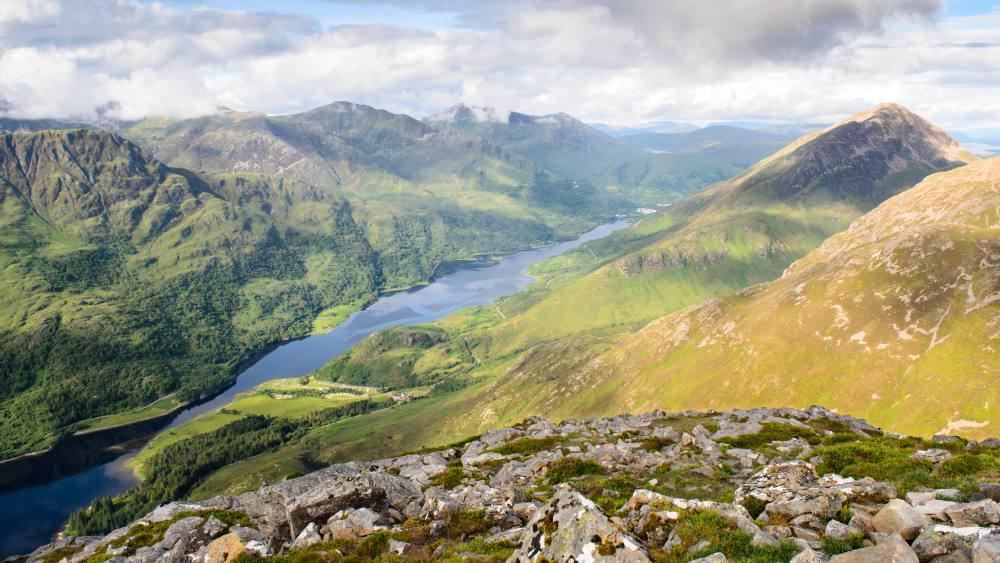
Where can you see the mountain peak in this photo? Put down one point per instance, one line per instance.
(465, 114)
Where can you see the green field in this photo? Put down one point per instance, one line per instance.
(159, 408)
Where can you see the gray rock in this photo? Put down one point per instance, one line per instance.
(931, 544)
(282, 510)
(977, 513)
(570, 525)
(733, 429)
(352, 523)
(933, 455)
(893, 550)
(987, 549)
(713, 558)
(986, 491)
(308, 537)
(839, 530)
(213, 527)
(898, 517)
(809, 555)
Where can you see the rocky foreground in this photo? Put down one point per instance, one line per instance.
(757, 485)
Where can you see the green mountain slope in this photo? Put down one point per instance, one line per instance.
(896, 318)
(126, 281)
(557, 348)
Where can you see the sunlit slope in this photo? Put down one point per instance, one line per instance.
(897, 319)
(741, 232)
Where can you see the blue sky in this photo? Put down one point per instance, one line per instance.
(615, 61)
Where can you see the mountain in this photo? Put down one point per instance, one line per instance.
(897, 319)
(651, 127)
(649, 487)
(131, 284)
(563, 347)
(733, 145)
(571, 149)
(791, 129)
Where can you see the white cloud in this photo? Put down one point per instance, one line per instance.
(619, 61)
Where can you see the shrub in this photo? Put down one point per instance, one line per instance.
(527, 446)
(833, 546)
(754, 506)
(567, 468)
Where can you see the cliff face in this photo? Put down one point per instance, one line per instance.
(769, 484)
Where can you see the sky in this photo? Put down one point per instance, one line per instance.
(621, 62)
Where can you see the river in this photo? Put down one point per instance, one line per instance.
(30, 517)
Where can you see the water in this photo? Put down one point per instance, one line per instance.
(30, 517)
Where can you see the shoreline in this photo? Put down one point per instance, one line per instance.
(50, 473)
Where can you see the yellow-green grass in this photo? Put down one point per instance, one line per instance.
(159, 408)
(276, 398)
(331, 318)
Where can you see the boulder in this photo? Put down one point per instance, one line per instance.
(932, 543)
(713, 558)
(348, 524)
(898, 517)
(284, 509)
(238, 540)
(839, 530)
(309, 536)
(987, 549)
(570, 525)
(982, 512)
(892, 550)
(987, 491)
(809, 555)
(933, 455)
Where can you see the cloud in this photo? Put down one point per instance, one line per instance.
(621, 61)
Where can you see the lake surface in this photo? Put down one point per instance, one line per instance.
(30, 517)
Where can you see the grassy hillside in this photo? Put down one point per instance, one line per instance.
(895, 319)
(125, 281)
(556, 348)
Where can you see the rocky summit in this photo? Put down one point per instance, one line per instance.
(773, 484)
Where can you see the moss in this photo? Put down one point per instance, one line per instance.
(527, 446)
(58, 555)
(754, 506)
(467, 523)
(772, 432)
(833, 546)
(567, 468)
(449, 478)
(723, 536)
(606, 547)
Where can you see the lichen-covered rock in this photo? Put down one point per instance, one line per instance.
(979, 513)
(892, 550)
(572, 528)
(898, 517)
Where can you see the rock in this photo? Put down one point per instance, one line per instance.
(930, 544)
(349, 524)
(898, 517)
(282, 510)
(986, 491)
(397, 547)
(977, 513)
(933, 455)
(893, 550)
(570, 525)
(805, 533)
(809, 555)
(238, 540)
(944, 438)
(213, 527)
(862, 521)
(732, 429)
(512, 535)
(308, 537)
(839, 530)
(713, 558)
(987, 549)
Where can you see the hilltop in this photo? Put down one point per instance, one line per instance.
(758, 485)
